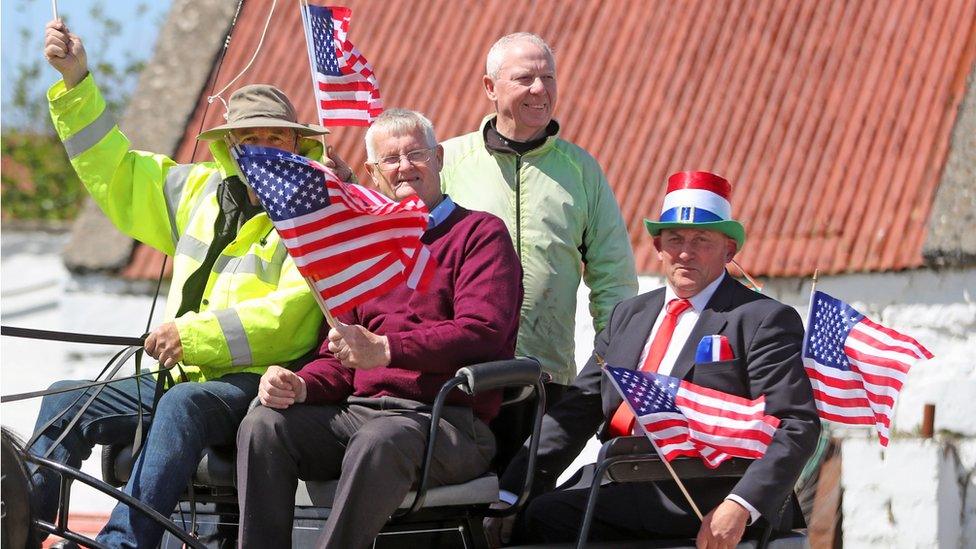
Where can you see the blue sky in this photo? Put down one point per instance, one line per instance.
(133, 40)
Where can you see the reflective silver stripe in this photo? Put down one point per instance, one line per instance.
(265, 271)
(210, 189)
(280, 254)
(90, 134)
(173, 186)
(192, 247)
(187, 244)
(233, 328)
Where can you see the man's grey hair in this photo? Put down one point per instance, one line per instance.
(496, 54)
(398, 122)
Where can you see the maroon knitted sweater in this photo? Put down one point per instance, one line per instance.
(469, 315)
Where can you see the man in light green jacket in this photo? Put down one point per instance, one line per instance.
(554, 197)
(237, 303)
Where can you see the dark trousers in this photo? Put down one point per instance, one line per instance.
(374, 447)
(513, 425)
(188, 418)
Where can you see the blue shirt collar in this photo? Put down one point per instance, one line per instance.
(440, 212)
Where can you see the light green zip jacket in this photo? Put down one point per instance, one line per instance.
(256, 309)
(565, 224)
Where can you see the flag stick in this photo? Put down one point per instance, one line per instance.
(54, 8)
(332, 320)
(673, 475)
(813, 289)
(602, 363)
(751, 280)
(310, 49)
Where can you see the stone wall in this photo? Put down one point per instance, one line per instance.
(915, 493)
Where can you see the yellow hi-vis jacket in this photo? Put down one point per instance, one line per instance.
(256, 309)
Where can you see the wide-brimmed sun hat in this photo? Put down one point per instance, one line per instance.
(260, 106)
(698, 200)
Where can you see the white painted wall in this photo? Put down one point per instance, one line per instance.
(907, 495)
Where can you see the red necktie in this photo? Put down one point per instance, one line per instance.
(622, 423)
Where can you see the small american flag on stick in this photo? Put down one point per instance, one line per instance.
(684, 419)
(856, 366)
(352, 243)
(345, 89)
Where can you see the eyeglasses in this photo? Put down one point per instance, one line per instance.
(392, 162)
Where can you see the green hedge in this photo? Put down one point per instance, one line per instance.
(37, 181)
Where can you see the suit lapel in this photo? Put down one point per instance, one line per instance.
(711, 321)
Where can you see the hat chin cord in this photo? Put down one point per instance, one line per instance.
(755, 285)
(267, 23)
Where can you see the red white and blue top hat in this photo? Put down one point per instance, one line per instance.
(698, 200)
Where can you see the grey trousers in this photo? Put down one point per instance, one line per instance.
(374, 447)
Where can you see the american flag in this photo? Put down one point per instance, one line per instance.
(684, 419)
(352, 243)
(856, 366)
(346, 90)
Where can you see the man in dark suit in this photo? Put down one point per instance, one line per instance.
(661, 331)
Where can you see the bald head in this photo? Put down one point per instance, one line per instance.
(496, 55)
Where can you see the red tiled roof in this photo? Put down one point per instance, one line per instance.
(831, 119)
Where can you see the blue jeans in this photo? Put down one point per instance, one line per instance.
(188, 418)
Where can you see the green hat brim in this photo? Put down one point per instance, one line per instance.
(731, 228)
(262, 122)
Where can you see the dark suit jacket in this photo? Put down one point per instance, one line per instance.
(765, 337)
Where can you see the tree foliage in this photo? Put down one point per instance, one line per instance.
(36, 179)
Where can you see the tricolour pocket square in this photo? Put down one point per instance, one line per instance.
(713, 348)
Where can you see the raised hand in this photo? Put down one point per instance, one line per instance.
(65, 52)
(338, 165)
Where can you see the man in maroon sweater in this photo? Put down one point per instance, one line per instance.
(357, 413)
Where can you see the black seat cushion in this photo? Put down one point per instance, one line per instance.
(216, 468)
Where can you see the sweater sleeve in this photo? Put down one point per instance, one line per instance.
(487, 298)
(326, 380)
(608, 262)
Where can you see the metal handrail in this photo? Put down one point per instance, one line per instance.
(67, 472)
(436, 412)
